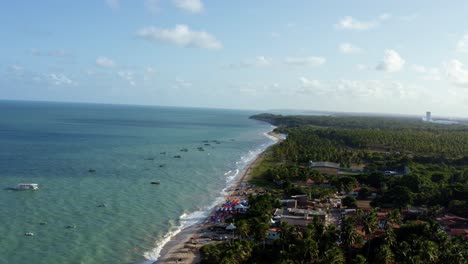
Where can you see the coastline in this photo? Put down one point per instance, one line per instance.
(180, 248)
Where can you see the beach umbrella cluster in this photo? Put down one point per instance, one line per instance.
(228, 208)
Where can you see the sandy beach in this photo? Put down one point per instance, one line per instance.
(184, 247)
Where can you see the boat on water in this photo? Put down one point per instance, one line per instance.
(177, 156)
(155, 182)
(29, 234)
(26, 186)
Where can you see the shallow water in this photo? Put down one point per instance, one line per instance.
(55, 145)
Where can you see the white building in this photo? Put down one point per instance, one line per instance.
(428, 117)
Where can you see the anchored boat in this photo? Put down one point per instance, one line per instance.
(27, 186)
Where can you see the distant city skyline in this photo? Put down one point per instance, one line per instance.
(360, 56)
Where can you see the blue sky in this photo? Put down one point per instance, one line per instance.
(357, 56)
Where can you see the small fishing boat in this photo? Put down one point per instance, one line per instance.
(29, 234)
(155, 182)
(177, 156)
(26, 186)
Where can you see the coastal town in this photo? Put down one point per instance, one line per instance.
(349, 202)
(352, 213)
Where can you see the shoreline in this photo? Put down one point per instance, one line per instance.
(180, 248)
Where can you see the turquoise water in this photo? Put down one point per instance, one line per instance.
(55, 145)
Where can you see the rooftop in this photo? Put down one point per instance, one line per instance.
(326, 164)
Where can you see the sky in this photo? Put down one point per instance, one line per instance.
(402, 57)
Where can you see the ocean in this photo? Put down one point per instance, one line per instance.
(94, 165)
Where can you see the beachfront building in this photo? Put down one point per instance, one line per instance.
(303, 217)
(301, 200)
(325, 167)
(289, 203)
(454, 225)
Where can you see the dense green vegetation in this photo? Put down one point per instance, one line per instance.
(437, 156)
(431, 165)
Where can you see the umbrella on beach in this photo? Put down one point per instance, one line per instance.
(239, 206)
(231, 226)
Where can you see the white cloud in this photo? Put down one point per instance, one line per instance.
(259, 61)
(418, 68)
(350, 23)
(248, 89)
(128, 76)
(354, 88)
(255, 89)
(149, 73)
(181, 83)
(59, 79)
(456, 73)
(59, 53)
(353, 24)
(113, 4)
(303, 61)
(90, 72)
(347, 48)
(409, 18)
(181, 35)
(362, 67)
(105, 62)
(193, 6)
(462, 45)
(275, 34)
(310, 85)
(385, 16)
(152, 6)
(150, 70)
(16, 68)
(392, 62)
(430, 74)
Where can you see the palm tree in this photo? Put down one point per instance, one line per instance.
(330, 236)
(369, 226)
(349, 235)
(385, 255)
(311, 249)
(428, 251)
(394, 217)
(389, 237)
(454, 252)
(286, 232)
(334, 256)
(243, 228)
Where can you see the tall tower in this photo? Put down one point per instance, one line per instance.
(428, 117)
